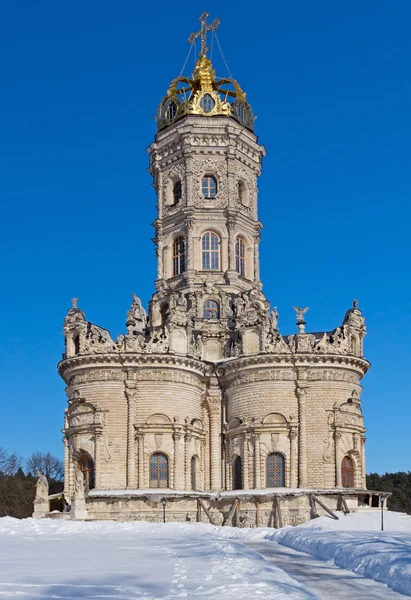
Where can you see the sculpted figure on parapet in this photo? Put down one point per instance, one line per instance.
(78, 485)
(42, 487)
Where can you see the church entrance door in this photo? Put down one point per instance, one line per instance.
(237, 474)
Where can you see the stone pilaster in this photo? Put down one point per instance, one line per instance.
(338, 458)
(302, 438)
(231, 245)
(140, 445)
(131, 450)
(257, 258)
(215, 407)
(67, 469)
(293, 435)
(228, 466)
(97, 458)
(257, 461)
(178, 460)
(246, 459)
(187, 461)
(363, 472)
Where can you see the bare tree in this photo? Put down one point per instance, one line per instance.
(9, 463)
(51, 466)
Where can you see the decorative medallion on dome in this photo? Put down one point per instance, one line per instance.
(204, 94)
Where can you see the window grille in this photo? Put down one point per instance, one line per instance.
(275, 470)
(240, 256)
(209, 187)
(210, 251)
(179, 256)
(211, 310)
(158, 470)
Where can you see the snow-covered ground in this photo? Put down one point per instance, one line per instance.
(61, 559)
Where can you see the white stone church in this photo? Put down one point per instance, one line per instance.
(204, 394)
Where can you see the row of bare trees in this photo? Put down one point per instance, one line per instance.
(18, 481)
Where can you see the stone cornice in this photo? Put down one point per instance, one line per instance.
(300, 361)
(126, 361)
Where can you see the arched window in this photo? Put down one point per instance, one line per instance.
(209, 187)
(211, 310)
(240, 256)
(243, 193)
(275, 470)
(164, 313)
(179, 256)
(86, 465)
(347, 472)
(76, 341)
(237, 474)
(158, 470)
(195, 461)
(177, 192)
(210, 246)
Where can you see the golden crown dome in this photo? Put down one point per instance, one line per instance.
(204, 94)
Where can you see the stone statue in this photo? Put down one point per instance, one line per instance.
(300, 314)
(274, 318)
(300, 318)
(42, 488)
(78, 485)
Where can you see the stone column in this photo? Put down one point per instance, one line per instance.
(178, 460)
(140, 444)
(67, 469)
(228, 466)
(97, 458)
(131, 450)
(302, 438)
(257, 461)
(245, 462)
(363, 472)
(338, 458)
(187, 461)
(189, 223)
(257, 258)
(214, 403)
(293, 458)
(160, 254)
(231, 245)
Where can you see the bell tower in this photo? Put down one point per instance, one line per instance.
(205, 162)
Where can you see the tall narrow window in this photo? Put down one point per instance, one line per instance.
(347, 472)
(179, 256)
(177, 192)
(164, 310)
(240, 256)
(210, 245)
(195, 461)
(275, 470)
(211, 310)
(237, 474)
(209, 187)
(158, 470)
(86, 465)
(76, 341)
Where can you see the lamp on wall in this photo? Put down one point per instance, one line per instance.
(164, 502)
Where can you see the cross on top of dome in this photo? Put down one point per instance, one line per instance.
(204, 94)
(203, 32)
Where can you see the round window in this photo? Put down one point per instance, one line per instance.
(207, 103)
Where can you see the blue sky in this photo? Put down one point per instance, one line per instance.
(80, 84)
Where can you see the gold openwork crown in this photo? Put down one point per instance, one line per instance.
(204, 94)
